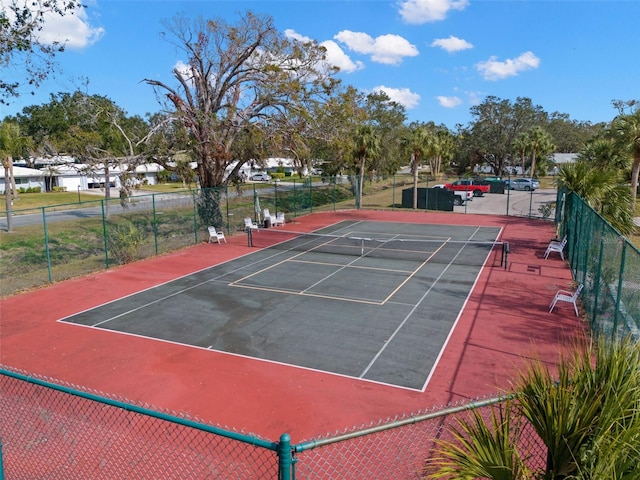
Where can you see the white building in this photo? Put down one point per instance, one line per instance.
(24, 177)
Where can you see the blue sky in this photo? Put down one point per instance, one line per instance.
(436, 57)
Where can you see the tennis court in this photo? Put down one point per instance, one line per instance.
(370, 300)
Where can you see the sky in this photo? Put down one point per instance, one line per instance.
(438, 58)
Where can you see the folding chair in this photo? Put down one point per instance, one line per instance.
(278, 219)
(216, 234)
(555, 246)
(250, 225)
(566, 296)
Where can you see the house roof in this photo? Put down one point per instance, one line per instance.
(23, 172)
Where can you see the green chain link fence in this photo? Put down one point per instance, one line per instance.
(55, 431)
(59, 431)
(606, 263)
(54, 243)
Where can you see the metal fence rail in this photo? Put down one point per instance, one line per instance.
(606, 263)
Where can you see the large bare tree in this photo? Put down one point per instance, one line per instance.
(234, 78)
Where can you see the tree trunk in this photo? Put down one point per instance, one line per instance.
(533, 164)
(414, 167)
(107, 189)
(13, 179)
(360, 182)
(635, 172)
(7, 192)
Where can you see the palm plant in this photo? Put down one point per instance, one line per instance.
(366, 144)
(603, 190)
(12, 144)
(588, 417)
(419, 143)
(626, 131)
(541, 145)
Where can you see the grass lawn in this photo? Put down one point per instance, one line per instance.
(29, 201)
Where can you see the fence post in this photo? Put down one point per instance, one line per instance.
(46, 244)
(619, 296)
(393, 193)
(284, 457)
(598, 286)
(195, 216)
(1, 462)
(226, 194)
(508, 194)
(104, 235)
(155, 222)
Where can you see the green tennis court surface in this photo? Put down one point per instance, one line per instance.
(375, 301)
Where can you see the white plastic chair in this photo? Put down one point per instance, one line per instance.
(555, 246)
(566, 296)
(216, 235)
(278, 219)
(266, 214)
(250, 225)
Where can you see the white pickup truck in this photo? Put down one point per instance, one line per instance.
(459, 197)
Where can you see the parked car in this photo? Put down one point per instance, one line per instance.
(528, 184)
(260, 177)
(468, 185)
(459, 198)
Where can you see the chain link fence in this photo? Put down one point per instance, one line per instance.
(606, 263)
(54, 243)
(59, 431)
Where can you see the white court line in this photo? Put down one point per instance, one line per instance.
(406, 318)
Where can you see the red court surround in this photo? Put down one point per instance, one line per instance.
(505, 323)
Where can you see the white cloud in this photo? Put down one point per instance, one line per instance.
(385, 49)
(74, 30)
(492, 69)
(448, 102)
(403, 96)
(289, 33)
(185, 70)
(451, 44)
(337, 57)
(474, 98)
(418, 12)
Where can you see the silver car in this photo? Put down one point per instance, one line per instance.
(528, 184)
(260, 177)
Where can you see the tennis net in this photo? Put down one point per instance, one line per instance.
(392, 247)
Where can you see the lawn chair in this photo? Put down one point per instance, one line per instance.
(555, 246)
(216, 235)
(566, 296)
(250, 225)
(278, 219)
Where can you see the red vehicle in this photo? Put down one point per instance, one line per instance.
(468, 186)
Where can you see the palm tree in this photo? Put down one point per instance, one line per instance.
(588, 416)
(602, 152)
(366, 145)
(12, 144)
(419, 142)
(522, 145)
(626, 130)
(603, 190)
(541, 144)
